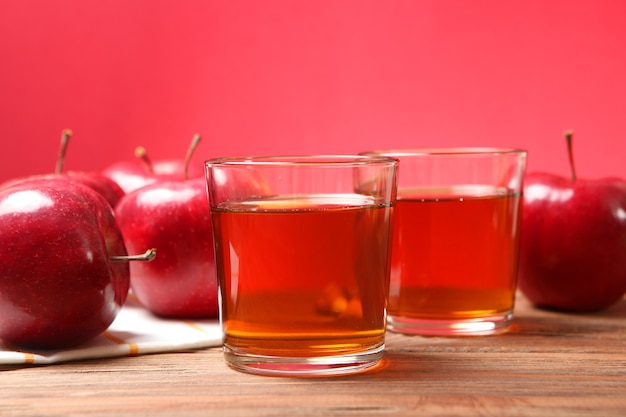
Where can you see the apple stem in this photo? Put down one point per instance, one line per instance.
(192, 147)
(149, 255)
(569, 137)
(141, 153)
(66, 134)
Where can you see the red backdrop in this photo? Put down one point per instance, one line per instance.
(311, 76)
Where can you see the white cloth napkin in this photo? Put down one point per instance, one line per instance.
(135, 331)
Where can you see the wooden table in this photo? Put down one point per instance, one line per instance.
(550, 364)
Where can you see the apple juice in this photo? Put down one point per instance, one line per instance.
(454, 254)
(303, 277)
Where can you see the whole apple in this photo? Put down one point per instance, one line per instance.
(105, 186)
(573, 241)
(174, 217)
(59, 286)
(131, 175)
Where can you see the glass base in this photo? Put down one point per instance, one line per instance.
(304, 366)
(483, 326)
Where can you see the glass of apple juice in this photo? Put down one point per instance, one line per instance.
(455, 240)
(302, 247)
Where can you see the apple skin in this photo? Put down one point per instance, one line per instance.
(131, 175)
(58, 287)
(105, 186)
(573, 242)
(108, 188)
(174, 217)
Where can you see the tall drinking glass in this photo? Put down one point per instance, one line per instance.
(302, 246)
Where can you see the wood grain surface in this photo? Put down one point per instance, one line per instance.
(550, 364)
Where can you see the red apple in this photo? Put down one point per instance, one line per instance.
(173, 216)
(573, 241)
(64, 273)
(131, 175)
(95, 180)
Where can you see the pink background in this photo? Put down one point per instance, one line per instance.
(311, 76)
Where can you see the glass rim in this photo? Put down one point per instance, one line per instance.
(470, 150)
(321, 160)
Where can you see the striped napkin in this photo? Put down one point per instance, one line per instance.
(135, 331)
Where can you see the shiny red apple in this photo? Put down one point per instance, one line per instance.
(131, 175)
(174, 217)
(64, 272)
(95, 180)
(573, 241)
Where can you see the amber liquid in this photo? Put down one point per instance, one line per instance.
(303, 278)
(454, 253)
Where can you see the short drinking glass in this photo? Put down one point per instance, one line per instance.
(456, 238)
(302, 246)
